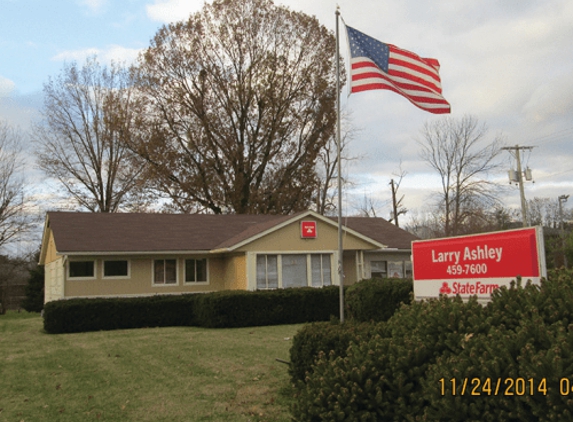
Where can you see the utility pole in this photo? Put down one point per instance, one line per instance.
(562, 198)
(517, 176)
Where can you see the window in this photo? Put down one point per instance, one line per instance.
(378, 269)
(408, 269)
(390, 269)
(165, 271)
(195, 270)
(116, 268)
(320, 270)
(267, 272)
(396, 269)
(81, 269)
(294, 271)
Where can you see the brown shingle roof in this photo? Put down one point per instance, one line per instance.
(380, 230)
(118, 232)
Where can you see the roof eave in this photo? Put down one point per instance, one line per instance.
(298, 217)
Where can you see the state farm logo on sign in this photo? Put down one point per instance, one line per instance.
(445, 289)
(477, 264)
(469, 288)
(308, 229)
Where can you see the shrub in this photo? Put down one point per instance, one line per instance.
(377, 299)
(379, 378)
(325, 337)
(404, 372)
(234, 308)
(80, 315)
(214, 310)
(34, 300)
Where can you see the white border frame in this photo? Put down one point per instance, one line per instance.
(153, 284)
(115, 277)
(195, 283)
(69, 278)
(252, 266)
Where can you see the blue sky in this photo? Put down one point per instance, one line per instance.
(508, 63)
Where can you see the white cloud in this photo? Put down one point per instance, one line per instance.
(114, 53)
(551, 99)
(167, 11)
(6, 86)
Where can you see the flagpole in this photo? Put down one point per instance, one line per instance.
(340, 250)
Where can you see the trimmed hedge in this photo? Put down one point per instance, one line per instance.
(234, 308)
(213, 310)
(81, 315)
(377, 299)
(404, 371)
(318, 338)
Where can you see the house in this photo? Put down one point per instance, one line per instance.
(115, 254)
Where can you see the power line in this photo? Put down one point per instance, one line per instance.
(548, 138)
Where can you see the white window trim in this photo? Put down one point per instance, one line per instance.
(160, 285)
(252, 264)
(309, 264)
(115, 277)
(195, 283)
(68, 277)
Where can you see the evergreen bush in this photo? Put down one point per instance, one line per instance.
(214, 310)
(82, 315)
(377, 299)
(234, 308)
(34, 300)
(324, 337)
(523, 337)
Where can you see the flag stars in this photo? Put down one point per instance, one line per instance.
(362, 45)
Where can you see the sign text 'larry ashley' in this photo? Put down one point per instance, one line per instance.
(477, 264)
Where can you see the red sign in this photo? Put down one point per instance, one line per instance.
(308, 229)
(476, 264)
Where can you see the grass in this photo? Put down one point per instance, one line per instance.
(150, 374)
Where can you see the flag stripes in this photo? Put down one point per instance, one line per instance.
(407, 74)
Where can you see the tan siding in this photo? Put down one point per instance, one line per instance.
(51, 251)
(288, 239)
(236, 272)
(140, 280)
(54, 280)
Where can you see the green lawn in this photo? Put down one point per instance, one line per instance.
(151, 374)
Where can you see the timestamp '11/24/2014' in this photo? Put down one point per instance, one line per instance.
(501, 386)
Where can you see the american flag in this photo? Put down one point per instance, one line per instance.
(376, 65)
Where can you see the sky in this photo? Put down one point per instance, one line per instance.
(508, 63)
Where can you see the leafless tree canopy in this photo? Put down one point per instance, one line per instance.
(463, 158)
(88, 116)
(327, 168)
(238, 102)
(13, 219)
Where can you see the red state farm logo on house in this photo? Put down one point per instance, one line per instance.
(308, 229)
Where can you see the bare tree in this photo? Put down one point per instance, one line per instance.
(398, 208)
(368, 207)
(544, 212)
(14, 218)
(239, 103)
(327, 168)
(88, 116)
(458, 151)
